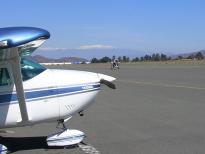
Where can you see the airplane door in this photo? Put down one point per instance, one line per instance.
(6, 96)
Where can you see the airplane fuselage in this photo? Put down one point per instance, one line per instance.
(51, 95)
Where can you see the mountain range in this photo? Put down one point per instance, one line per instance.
(88, 53)
(66, 56)
(42, 59)
(185, 55)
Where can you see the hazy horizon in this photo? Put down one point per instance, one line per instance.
(99, 53)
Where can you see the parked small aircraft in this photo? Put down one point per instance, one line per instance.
(31, 93)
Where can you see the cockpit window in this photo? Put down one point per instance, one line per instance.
(30, 69)
(5, 79)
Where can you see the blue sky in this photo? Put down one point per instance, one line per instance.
(173, 26)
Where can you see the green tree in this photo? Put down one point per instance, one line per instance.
(199, 56)
(105, 59)
(157, 58)
(191, 57)
(136, 59)
(127, 59)
(153, 57)
(119, 58)
(113, 57)
(180, 57)
(147, 57)
(124, 58)
(163, 57)
(94, 60)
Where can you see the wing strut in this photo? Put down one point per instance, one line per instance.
(16, 69)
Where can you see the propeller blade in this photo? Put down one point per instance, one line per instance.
(108, 83)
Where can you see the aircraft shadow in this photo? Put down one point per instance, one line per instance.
(28, 143)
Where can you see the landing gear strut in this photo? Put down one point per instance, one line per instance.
(61, 124)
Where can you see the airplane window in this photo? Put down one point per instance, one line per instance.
(5, 79)
(30, 69)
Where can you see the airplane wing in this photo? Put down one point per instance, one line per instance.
(16, 42)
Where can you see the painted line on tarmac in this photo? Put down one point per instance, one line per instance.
(161, 85)
(88, 149)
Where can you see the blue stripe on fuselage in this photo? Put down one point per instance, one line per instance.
(5, 98)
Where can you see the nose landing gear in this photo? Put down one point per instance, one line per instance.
(66, 137)
(3, 149)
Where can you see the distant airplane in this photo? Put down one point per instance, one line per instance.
(31, 93)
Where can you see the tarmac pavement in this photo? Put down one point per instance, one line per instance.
(156, 109)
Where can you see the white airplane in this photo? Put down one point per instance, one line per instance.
(31, 93)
